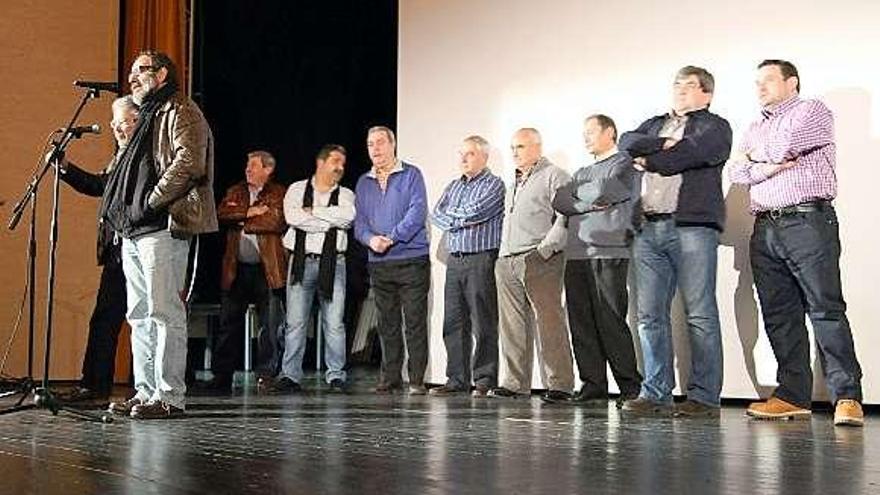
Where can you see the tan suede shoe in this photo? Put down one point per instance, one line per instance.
(775, 408)
(848, 412)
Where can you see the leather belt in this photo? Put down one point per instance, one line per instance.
(805, 207)
(460, 254)
(658, 217)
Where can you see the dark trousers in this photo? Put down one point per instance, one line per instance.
(470, 321)
(99, 362)
(597, 301)
(402, 284)
(795, 261)
(249, 287)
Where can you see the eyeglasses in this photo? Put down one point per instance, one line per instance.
(140, 69)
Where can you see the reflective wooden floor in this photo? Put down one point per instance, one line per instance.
(364, 444)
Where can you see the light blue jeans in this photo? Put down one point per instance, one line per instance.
(666, 257)
(155, 273)
(300, 301)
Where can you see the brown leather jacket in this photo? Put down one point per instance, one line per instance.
(184, 152)
(269, 228)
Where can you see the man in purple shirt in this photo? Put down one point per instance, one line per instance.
(391, 220)
(787, 160)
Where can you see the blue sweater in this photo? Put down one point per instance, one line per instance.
(400, 213)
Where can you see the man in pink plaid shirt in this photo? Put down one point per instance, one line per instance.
(787, 160)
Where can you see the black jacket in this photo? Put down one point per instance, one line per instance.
(698, 157)
(93, 185)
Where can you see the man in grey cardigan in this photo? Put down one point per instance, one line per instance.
(529, 276)
(599, 203)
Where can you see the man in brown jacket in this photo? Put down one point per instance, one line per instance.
(254, 270)
(158, 196)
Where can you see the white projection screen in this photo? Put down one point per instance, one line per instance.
(492, 66)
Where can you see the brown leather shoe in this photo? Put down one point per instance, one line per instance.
(480, 391)
(124, 408)
(156, 410)
(446, 390)
(848, 412)
(776, 408)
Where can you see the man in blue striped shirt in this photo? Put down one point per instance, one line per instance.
(470, 213)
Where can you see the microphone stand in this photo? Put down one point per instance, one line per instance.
(43, 396)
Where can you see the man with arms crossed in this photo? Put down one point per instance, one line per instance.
(787, 159)
(599, 205)
(470, 212)
(676, 245)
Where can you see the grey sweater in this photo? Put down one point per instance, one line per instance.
(599, 203)
(529, 220)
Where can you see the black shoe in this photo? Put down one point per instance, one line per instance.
(626, 396)
(337, 386)
(481, 391)
(213, 387)
(646, 407)
(590, 399)
(504, 393)
(556, 397)
(387, 388)
(694, 409)
(283, 386)
(84, 394)
(155, 410)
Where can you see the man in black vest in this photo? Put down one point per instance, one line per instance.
(319, 211)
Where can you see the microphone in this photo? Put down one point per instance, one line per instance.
(77, 132)
(99, 85)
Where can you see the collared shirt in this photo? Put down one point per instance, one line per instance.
(471, 212)
(795, 129)
(248, 247)
(321, 218)
(529, 219)
(660, 193)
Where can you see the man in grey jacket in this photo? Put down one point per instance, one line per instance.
(599, 203)
(529, 276)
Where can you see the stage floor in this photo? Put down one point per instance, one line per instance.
(360, 443)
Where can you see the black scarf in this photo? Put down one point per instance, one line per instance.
(327, 266)
(125, 205)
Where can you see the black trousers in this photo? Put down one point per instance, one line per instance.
(402, 284)
(597, 301)
(108, 315)
(249, 287)
(795, 261)
(470, 321)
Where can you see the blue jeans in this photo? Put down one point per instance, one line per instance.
(300, 300)
(666, 257)
(795, 259)
(155, 277)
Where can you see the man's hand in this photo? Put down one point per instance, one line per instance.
(771, 169)
(62, 160)
(639, 163)
(257, 210)
(669, 143)
(380, 243)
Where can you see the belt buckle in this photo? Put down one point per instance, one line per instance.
(776, 213)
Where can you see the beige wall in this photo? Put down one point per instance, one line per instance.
(492, 66)
(44, 47)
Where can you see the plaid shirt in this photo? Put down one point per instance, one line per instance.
(796, 129)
